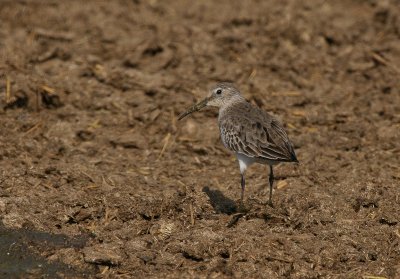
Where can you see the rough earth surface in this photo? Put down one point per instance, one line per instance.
(98, 179)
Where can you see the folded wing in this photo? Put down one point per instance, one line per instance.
(259, 136)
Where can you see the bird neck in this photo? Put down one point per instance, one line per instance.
(230, 104)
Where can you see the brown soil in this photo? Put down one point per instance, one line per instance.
(90, 146)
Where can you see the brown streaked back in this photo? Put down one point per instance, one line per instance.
(248, 130)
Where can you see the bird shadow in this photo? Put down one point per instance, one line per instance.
(219, 202)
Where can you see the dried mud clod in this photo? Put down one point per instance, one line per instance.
(103, 255)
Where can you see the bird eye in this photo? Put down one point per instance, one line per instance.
(219, 91)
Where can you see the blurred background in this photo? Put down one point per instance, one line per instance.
(97, 177)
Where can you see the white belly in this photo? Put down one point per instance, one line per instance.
(245, 161)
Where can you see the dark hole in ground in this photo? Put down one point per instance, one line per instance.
(192, 257)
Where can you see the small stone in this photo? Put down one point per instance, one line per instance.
(105, 254)
(146, 256)
(281, 184)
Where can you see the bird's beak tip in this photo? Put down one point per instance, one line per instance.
(194, 108)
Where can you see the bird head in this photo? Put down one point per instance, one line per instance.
(221, 94)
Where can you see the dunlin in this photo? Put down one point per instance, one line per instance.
(251, 133)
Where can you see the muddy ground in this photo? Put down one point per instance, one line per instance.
(99, 179)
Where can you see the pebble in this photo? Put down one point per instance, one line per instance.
(105, 254)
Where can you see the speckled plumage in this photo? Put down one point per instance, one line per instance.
(248, 130)
(251, 133)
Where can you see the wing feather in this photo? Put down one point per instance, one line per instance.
(256, 134)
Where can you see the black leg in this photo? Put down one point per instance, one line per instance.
(243, 186)
(271, 182)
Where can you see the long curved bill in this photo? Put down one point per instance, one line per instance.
(194, 108)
